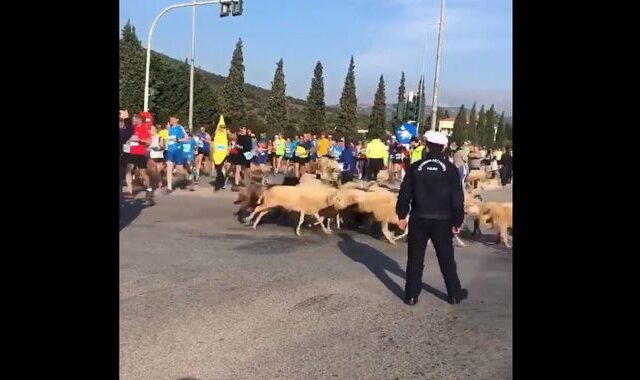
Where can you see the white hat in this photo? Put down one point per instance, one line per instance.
(436, 138)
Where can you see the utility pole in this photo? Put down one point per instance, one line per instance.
(193, 52)
(434, 102)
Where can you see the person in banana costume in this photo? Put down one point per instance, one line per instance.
(220, 152)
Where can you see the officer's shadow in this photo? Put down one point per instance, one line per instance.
(379, 264)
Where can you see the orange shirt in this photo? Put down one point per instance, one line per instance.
(323, 147)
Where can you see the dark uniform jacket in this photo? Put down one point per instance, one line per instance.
(432, 189)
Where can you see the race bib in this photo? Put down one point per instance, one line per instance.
(248, 155)
(341, 165)
(134, 143)
(186, 148)
(219, 147)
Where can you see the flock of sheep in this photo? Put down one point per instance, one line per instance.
(322, 197)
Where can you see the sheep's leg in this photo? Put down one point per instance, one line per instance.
(255, 211)
(300, 223)
(255, 224)
(322, 225)
(338, 220)
(505, 236)
(321, 220)
(329, 224)
(387, 234)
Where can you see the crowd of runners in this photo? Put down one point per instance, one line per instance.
(152, 154)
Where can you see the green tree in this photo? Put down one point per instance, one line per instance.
(233, 91)
(500, 133)
(481, 127)
(378, 112)
(472, 130)
(277, 111)
(132, 70)
(508, 128)
(490, 123)
(421, 104)
(459, 126)
(205, 102)
(348, 117)
(398, 116)
(315, 117)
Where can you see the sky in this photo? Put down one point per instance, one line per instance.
(384, 36)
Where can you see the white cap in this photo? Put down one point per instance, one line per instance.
(436, 138)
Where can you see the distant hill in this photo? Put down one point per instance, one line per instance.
(256, 100)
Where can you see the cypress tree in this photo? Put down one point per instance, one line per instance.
(500, 133)
(481, 127)
(132, 71)
(233, 91)
(277, 111)
(398, 116)
(459, 125)
(348, 118)
(378, 113)
(472, 130)
(315, 118)
(490, 123)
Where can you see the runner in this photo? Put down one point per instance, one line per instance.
(278, 150)
(156, 164)
(188, 154)
(289, 150)
(244, 144)
(220, 152)
(204, 147)
(126, 130)
(175, 159)
(301, 157)
(137, 159)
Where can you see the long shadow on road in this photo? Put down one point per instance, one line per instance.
(129, 210)
(379, 264)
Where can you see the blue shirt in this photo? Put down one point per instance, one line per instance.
(290, 148)
(336, 151)
(176, 133)
(348, 159)
(187, 149)
(261, 157)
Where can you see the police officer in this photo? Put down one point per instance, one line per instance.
(431, 189)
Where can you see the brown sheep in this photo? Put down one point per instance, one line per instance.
(307, 200)
(381, 203)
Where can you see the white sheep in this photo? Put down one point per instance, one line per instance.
(306, 199)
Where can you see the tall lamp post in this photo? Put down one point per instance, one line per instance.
(226, 7)
(434, 102)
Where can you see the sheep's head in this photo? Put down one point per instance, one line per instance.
(344, 199)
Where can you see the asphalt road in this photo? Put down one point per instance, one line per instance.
(204, 297)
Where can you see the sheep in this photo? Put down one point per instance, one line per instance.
(494, 215)
(308, 199)
(381, 203)
(329, 170)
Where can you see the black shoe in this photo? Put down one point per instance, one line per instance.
(462, 294)
(411, 301)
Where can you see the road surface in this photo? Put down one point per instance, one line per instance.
(204, 297)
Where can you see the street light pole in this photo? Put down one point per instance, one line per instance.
(434, 102)
(153, 25)
(193, 52)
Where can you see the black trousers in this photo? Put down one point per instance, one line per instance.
(219, 183)
(375, 165)
(439, 231)
(505, 175)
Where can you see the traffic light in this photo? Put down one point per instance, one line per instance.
(233, 7)
(225, 8)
